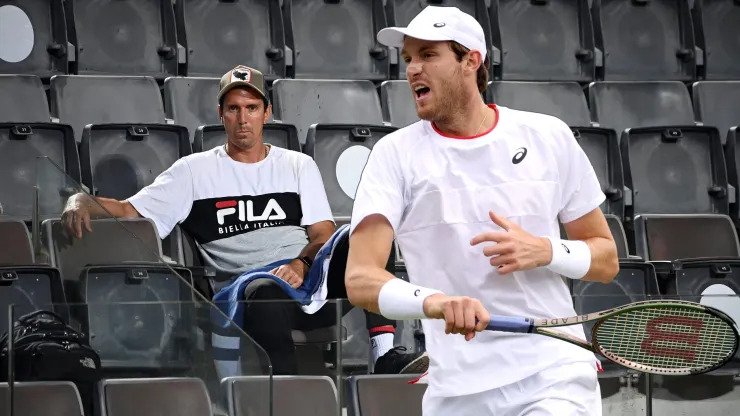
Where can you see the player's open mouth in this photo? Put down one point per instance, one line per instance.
(421, 92)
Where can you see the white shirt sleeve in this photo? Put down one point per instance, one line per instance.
(381, 187)
(314, 203)
(580, 189)
(168, 200)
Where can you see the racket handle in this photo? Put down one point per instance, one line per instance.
(510, 324)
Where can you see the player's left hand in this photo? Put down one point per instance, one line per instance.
(292, 273)
(515, 249)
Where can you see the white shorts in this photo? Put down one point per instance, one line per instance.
(566, 390)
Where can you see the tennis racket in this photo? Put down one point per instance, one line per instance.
(657, 337)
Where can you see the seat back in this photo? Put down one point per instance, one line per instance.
(309, 395)
(134, 37)
(672, 237)
(620, 237)
(15, 243)
(118, 160)
(23, 99)
(564, 100)
(277, 134)
(544, 40)
(387, 395)
(712, 104)
(41, 398)
(192, 102)
(155, 397)
(602, 149)
(29, 289)
(715, 23)
(398, 103)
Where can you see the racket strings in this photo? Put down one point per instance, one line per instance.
(672, 337)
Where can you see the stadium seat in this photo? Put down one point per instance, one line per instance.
(306, 102)
(191, 102)
(133, 37)
(332, 39)
(620, 237)
(82, 100)
(675, 170)
(601, 146)
(33, 38)
(400, 13)
(23, 99)
(715, 29)
(41, 398)
(387, 395)
(398, 103)
(15, 243)
(155, 397)
(341, 151)
(622, 105)
(732, 161)
(671, 237)
(715, 104)
(309, 395)
(544, 40)
(564, 100)
(21, 146)
(29, 288)
(278, 134)
(646, 40)
(118, 160)
(219, 35)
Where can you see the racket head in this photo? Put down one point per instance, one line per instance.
(667, 337)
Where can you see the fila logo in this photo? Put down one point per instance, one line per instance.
(245, 211)
(519, 155)
(567, 250)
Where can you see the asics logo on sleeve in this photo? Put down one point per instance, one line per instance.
(519, 155)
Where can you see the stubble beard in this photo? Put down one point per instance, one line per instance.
(448, 100)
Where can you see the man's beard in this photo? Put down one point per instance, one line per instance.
(448, 100)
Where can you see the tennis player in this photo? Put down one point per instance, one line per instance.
(473, 193)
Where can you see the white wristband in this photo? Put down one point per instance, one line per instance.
(570, 258)
(399, 299)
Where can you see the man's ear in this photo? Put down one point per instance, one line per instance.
(474, 60)
(268, 114)
(220, 114)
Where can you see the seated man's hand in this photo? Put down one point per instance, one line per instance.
(76, 214)
(292, 273)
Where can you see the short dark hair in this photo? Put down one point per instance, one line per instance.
(482, 75)
(223, 97)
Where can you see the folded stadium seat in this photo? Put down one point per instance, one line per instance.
(133, 37)
(191, 102)
(219, 35)
(341, 151)
(400, 13)
(398, 103)
(732, 160)
(82, 100)
(306, 102)
(21, 146)
(181, 396)
(566, 101)
(34, 37)
(387, 395)
(41, 398)
(133, 314)
(622, 105)
(544, 40)
(309, 395)
(117, 160)
(23, 99)
(644, 39)
(333, 39)
(715, 29)
(715, 104)
(15, 243)
(278, 134)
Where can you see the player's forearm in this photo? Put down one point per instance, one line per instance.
(364, 283)
(604, 262)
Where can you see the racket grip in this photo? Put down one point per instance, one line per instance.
(510, 324)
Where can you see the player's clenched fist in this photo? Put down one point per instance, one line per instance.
(462, 314)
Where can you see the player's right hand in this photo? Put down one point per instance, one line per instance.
(76, 215)
(462, 314)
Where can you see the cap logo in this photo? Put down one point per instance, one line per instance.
(242, 74)
(440, 24)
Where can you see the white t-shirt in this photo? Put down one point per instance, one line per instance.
(436, 192)
(242, 215)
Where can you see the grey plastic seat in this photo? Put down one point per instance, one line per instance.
(15, 243)
(219, 35)
(134, 37)
(154, 397)
(564, 100)
(308, 395)
(398, 103)
(39, 42)
(671, 237)
(715, 104)
(645, 40)
(23, 99)
(191, 102)
(332, 39)
(620, 237)
(278, 134)
(622, 105)
(82, 100)
(30, 288)
(544, 40)
(21, 147)
(387, 395)
(306, 102)
(41, 398)
(715, 28)
(118, 160)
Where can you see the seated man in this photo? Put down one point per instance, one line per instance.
(249, 205)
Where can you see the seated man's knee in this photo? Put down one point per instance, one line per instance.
(264, 289)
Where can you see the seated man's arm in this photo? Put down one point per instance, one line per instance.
(294, 271)
(81, 208)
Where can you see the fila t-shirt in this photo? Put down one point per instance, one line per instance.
(436, 192)
(242, 215)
